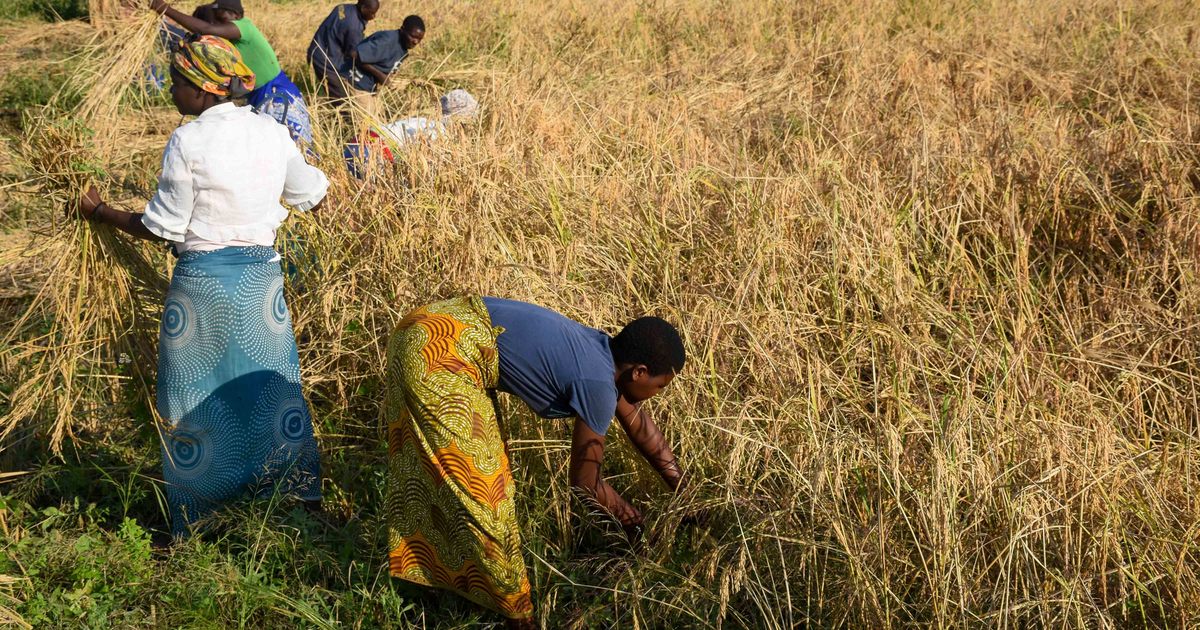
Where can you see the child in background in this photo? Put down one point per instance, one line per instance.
(331, 52)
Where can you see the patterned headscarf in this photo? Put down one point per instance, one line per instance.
(214, 65)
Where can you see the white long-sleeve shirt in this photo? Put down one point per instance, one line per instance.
(223, 176)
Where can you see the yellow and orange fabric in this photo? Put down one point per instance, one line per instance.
(452, 520)
(214, 65)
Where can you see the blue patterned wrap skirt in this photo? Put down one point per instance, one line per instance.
(229, 386)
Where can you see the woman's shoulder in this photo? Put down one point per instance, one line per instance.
(234, 121)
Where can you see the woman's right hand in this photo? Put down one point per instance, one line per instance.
(631, 521)
(159, 6)
(86, 206)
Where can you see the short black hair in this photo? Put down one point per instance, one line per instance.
(412, 23)
(651, 342)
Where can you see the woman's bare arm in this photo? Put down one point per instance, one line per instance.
(650, 442)
(92, 208)
(128, 222)
(587, 451)
(195, 24)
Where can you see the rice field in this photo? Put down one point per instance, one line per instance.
(935, 264)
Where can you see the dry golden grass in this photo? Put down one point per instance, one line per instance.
(935, 264)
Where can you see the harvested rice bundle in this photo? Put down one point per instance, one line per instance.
(106, 13)
(94, 324)
(111, 71)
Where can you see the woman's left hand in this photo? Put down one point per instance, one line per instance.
(86, 207)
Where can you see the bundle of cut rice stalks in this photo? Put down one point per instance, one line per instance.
(109, 13)
(88, 336)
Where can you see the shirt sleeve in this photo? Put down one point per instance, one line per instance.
(595, 402)
(376, 48)
(352, 36)
(241, 27)
(305, 185)
(170, 210)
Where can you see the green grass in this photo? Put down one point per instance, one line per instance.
(23, 90)
(79, 531)
(45, 9)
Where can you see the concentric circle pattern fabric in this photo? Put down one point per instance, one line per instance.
(229, 386)
(194, 331)
(263, 323)
(452, 521)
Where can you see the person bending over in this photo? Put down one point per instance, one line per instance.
(452, 522)
(378, 56)
(377, 144)
(331, 52)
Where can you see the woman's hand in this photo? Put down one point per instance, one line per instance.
(85, 208)
(627, 514)
(159, 6)
(587, 450)
(636, 535)
(632, 522)
(90, 207)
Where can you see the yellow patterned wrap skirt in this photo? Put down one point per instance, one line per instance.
(452, 522)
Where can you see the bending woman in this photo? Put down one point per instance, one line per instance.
(275, 94)
(228, 373)
(452, 521)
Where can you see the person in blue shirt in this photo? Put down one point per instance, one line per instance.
(379, 55)
(452, 521)
(331, 53)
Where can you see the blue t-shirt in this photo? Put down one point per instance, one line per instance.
(335, 39)
(382, 50)
(559, 367)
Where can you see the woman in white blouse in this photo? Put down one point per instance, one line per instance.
(228, 381)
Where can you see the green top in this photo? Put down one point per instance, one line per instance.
(256, 52)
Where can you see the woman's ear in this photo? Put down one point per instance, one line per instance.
(639, 373)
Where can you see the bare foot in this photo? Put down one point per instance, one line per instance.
(520, 624)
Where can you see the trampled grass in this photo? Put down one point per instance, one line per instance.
(935, 264)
